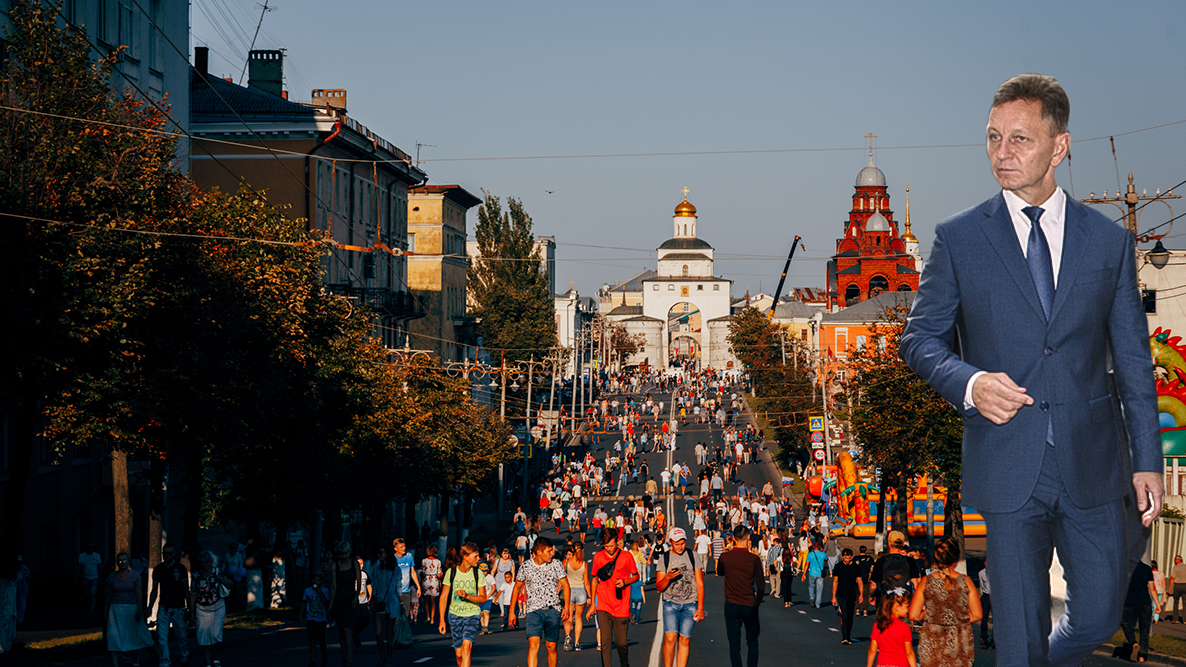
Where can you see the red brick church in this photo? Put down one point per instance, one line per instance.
(872, 257)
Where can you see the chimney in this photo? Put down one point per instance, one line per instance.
(202, 61)
(333, 98)
(265, 71)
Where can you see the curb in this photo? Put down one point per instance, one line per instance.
(1154, 658)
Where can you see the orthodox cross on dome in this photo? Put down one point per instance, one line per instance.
(570, 284)
(870, 137)
(685, 191)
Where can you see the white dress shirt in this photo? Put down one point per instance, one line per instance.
(1054, 211)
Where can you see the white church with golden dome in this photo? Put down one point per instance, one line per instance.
(682, 309)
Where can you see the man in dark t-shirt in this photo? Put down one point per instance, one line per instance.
(745, 586)
(864, 563)
(848, 590)
(1138, 611)
(171, 579)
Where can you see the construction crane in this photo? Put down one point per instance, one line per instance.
(783, 279)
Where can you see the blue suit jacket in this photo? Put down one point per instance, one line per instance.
(977, 309)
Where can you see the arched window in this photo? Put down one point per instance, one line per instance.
(905, 287)
(685, 270)
(877, 285)
(685, 230)
(852, 294)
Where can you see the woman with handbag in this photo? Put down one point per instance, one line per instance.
(344, 584)
(207, 590)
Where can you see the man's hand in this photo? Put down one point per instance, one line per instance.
(699, 615)
(590, 613)
(1150, 488)
(511, 618)
(998, 397)
(564, 615)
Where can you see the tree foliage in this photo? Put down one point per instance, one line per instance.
(189, 327)
(903, 425)
(782, 383)
(512, 295)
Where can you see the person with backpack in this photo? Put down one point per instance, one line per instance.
(680, 580)
(463, 590)
(814, 574)
(895, 569)
(548, 600)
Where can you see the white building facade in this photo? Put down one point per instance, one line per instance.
(685, 309)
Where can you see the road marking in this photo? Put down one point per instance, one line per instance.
(422, 660)
(657, 645)
(815, 620)
(802, 612)
(833, 629)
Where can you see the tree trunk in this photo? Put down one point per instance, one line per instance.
(903, 488)
(193, 507)
(123, 510)
(24, 441)
(443, 528)
(157, 531)
(953, 518)
(315, 545)
(411, 528)
(879, 540)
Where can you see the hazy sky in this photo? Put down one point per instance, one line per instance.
(522, 79)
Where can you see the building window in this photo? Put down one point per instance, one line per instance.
(685, 270)
(700, 288)
(1149, 299)
(655, 287)
(411, 243)
(671, 288)
(860, 342)
(716, 288)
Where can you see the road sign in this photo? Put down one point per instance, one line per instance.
(537, 433)
(817, 436)
(815, 423)
(819, 454)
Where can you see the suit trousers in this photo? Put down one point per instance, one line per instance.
(613, 629)
(1177, 596)
(1093, 548)
(735, 616)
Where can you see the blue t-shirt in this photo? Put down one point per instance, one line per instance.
(815, 563)
(406, 563)
(636, 590)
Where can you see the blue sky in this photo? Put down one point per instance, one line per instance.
(521, 79)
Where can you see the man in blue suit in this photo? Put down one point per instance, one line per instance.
(1028, 318)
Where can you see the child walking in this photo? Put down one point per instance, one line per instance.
(315, 611)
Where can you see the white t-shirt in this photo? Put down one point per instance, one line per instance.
(90, 565)
(702, 544)
(504, 591)
(666, 475)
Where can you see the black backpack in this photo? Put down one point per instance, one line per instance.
(895, 572)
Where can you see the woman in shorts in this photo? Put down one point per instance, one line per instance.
(577, 572)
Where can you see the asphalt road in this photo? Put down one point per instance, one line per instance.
(798, 635)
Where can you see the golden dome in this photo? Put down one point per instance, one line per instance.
(908, 237)
(685, 209)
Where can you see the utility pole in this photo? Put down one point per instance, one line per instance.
(1130, 198)
(502, 412)
(526, 460)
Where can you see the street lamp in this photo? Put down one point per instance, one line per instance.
(1159, 256)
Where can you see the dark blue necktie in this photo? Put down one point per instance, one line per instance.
(1037, 255)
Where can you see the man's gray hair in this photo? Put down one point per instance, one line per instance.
(1040, 88)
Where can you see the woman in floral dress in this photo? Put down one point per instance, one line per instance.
(947, 605)
(430, 578)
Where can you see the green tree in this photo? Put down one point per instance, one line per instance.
(903, 425)
(66, 279)
(779, 372)
(511, 293)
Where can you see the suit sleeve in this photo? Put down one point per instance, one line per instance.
(928, 340)
(1132, 364)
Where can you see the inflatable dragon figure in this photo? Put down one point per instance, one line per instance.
(1169, 355)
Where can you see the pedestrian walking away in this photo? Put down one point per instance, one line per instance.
(548, 600)
(947, 605)
(615, 571)
(680, 580)
(745, 586)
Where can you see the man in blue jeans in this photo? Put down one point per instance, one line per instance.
(171, 579)
(680, 579)
(745, 586)
(814, 574)
(545, 582)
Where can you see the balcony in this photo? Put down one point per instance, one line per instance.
(396, 304)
